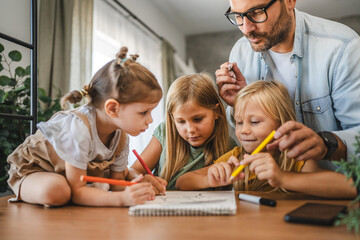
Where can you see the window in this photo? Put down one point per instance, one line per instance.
(111, 31)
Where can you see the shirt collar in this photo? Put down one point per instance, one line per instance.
(298, 48)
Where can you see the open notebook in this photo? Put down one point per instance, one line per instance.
(186, 203)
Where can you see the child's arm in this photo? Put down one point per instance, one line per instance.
(312, 180)
(215, 175)
(151, 156)
(319, 182)
(194, 180)
(84, 195)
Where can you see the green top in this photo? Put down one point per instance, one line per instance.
(196, 158)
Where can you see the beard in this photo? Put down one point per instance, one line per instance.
(278, 33)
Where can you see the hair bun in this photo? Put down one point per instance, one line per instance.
(134, 56)
(121, 56)
(122, 53)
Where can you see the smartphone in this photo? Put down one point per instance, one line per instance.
(315, 213)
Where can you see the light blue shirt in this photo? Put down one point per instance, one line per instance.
(327, 58)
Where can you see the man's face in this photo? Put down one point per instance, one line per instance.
(263, 36)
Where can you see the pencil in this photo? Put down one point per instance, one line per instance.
(257, 150)
(143, 163)
(106, 180)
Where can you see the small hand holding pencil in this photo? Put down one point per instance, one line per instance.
(158, 183)
(257, 150)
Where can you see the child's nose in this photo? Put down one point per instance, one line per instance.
(245, 129)
(149, 119)
(190, 127)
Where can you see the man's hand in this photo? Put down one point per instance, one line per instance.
(301, 142)
(230, 81)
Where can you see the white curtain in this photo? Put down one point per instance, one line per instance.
(81, 43)
(111, 31)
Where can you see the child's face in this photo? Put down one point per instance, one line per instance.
(254, 126)
(194, 123)
(134, 118)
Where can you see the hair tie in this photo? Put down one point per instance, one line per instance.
(83, 93)
(121, 61)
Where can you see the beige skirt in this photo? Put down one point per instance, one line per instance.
(36, 154)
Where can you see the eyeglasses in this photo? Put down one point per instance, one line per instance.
(256, 15)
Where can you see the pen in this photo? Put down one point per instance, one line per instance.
(257, 200)
(257, 150)
(106, 180)
(143, 163)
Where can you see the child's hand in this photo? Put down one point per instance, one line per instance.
(265, 168)
(158, 184)
(219, 173)
(137, 194)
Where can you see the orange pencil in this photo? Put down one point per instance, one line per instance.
(106, 180)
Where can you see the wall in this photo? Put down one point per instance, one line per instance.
(210, 50)
(156, 20)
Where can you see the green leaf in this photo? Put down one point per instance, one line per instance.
(27, 82)
(15, 56)
(20, 71)
(26, 101)
(19, 89)
(45, 99)
(4, 132)
(8, 151)
(13, 82)
(28, 70)
(1, 66)
(41, 92)
(2, 93)
(4, 97)
(1, 48)
(5, 81)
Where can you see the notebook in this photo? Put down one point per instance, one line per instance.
(188, 203)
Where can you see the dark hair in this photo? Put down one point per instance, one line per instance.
(122, 79)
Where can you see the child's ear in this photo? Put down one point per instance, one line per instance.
(217, 111)
(112, 107)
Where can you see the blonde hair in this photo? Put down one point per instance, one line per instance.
(122, 79)
(200, 89)
(274, 99)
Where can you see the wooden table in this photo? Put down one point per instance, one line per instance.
(27, 221)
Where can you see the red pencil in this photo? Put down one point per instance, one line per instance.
(106, 180)
(143, 163)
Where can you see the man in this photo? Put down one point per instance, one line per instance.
(317, 59)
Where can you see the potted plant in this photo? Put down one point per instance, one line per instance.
(15, 99)
(351, 169)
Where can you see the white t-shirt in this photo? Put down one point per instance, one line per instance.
(285, 71)
(72, 141)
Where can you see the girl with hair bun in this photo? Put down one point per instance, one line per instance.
(89, 140)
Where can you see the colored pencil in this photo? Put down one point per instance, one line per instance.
(106, 180)
(257, 150)
(143, 163)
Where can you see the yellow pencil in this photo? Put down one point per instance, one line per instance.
(257, 150)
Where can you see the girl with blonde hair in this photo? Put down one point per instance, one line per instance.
(195, 132)
(260, 108)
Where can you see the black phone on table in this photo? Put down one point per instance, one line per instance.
(315, 213)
